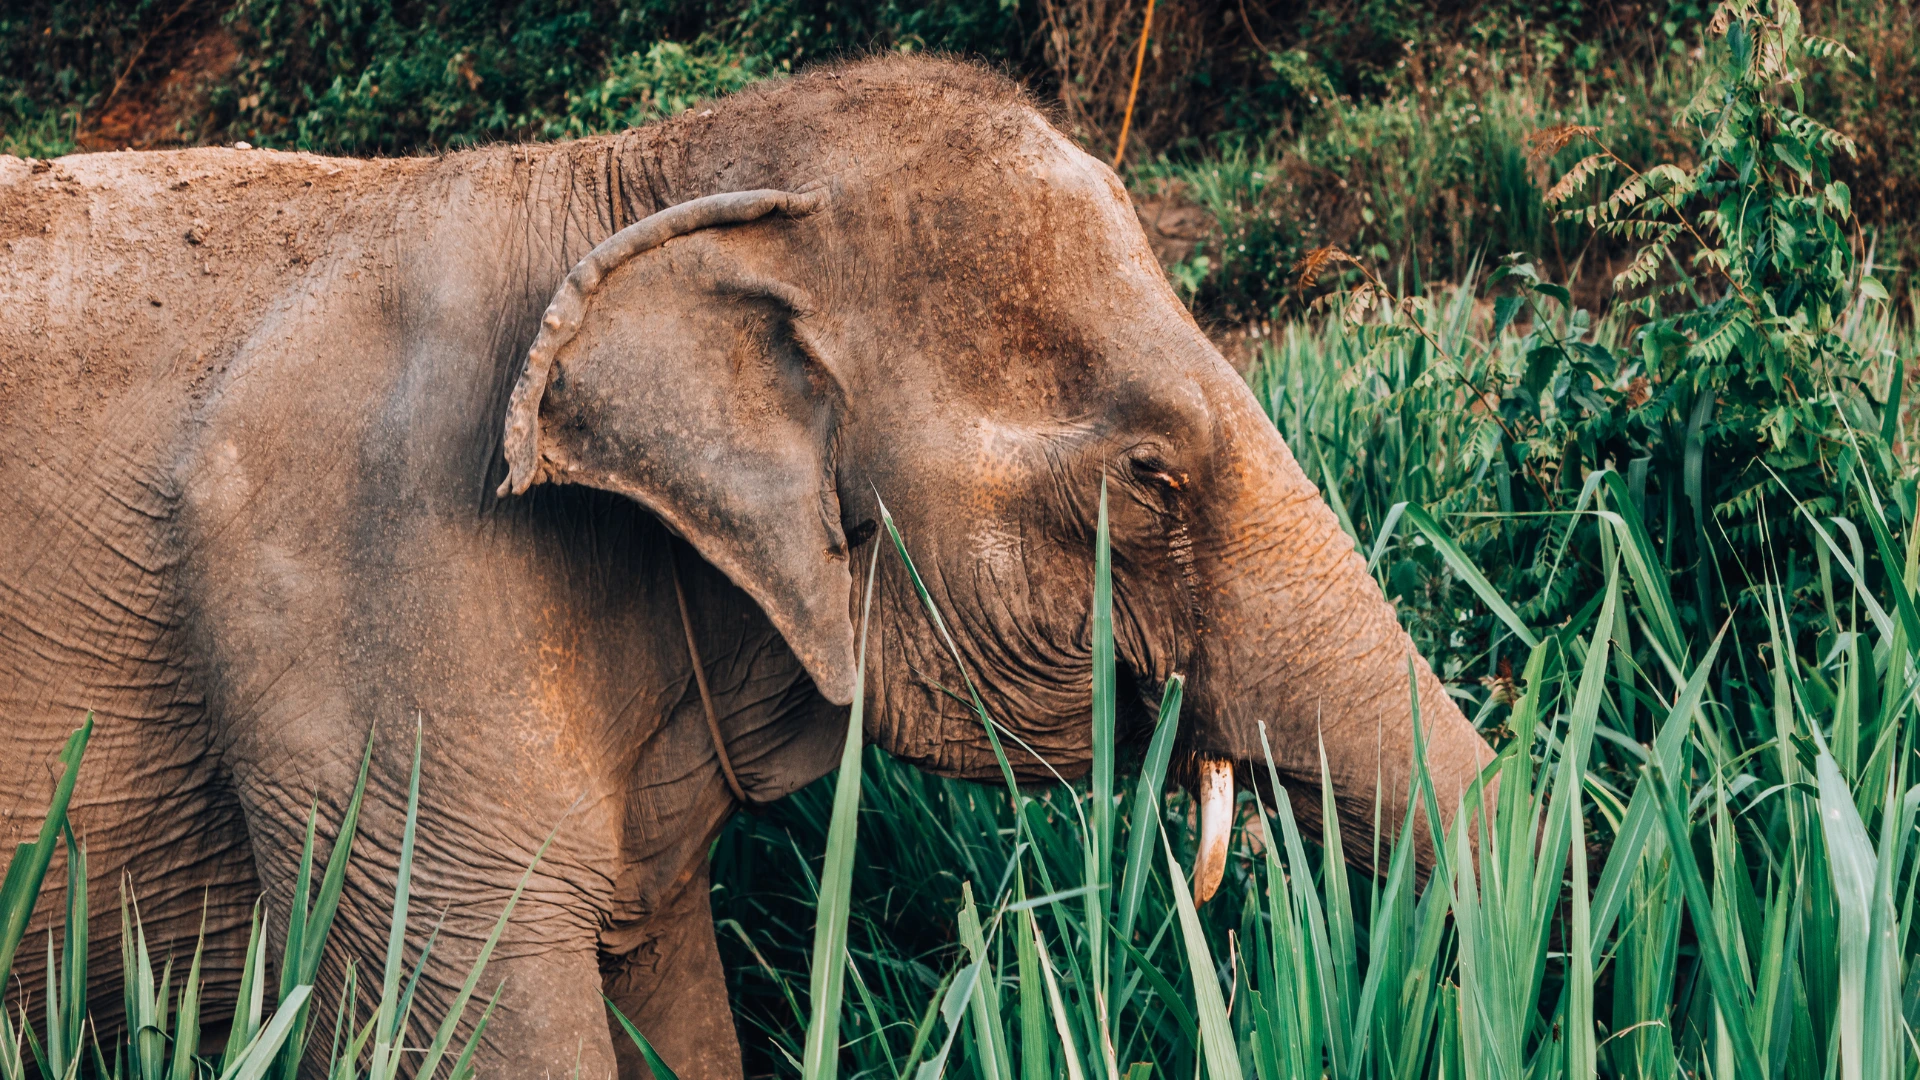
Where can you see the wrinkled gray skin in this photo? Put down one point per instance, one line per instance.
(253, 420)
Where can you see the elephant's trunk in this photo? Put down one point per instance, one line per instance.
(1295, 633)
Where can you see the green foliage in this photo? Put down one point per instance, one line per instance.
(392, 75)
(384, 77)
(1432, 175)
(1768, 374)
(1770, 245)
(29, 129)
(666, 80)
(1513, 958)
(1431, 170)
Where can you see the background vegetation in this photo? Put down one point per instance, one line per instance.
(1394, 127)
(1594, 324)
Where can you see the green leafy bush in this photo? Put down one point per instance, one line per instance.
(1747, 372)
(667, 79)
(390, 76)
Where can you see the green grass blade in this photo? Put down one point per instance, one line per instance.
(301, 908)
(1063, 1030)
(259, 1054)
(463, 1065)
(1218, 1046)
(1902, 595)
(1388, 526)
(71, 1008)
(959, 995)
(1643, 812)
(1164, 990)
(20, 889)
(248, 1001)
(1098, 854)
(1463, 567)
(391, 1018)
(828, 970)
(333, 880)
(186, 1036)
(1341, 938)
(923, 1031)
(1582, 1055)
(1320, 980)
(1713, 950)
(660, 1070)
(989, 1034)
(1868, 1016)
(1034, 1059)
(1143, 823)
(1643, 565)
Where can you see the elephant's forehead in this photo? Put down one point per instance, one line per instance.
(1034, 183)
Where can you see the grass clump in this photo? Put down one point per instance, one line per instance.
(1621, 909)
(271, 1031)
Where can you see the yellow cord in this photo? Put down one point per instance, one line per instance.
(1139, 61)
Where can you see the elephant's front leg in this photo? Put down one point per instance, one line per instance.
(552, 1022)
(670, 984)
(473, 842)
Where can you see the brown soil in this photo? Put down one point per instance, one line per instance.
(164, 97)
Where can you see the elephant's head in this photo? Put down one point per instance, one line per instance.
(914, 289)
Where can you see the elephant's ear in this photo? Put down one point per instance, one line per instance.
(673, 373)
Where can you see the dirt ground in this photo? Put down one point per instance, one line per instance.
(163, 97)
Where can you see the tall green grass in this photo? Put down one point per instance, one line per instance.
(270, 1032)
(1731, 896)
(1721, 899)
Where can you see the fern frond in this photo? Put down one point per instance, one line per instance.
(1823, 48)
(1586, 168)
(1627, 196)
(1646, 262)
(1670, 180)
(1635, 228)
(1649, 303)
(1718, 345)
(1362, 303)
(1808, 130)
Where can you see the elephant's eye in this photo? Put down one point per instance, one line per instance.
(1151, 467)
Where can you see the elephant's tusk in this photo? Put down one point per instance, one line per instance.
(1216, 818)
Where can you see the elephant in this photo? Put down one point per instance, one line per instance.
(309, 457)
